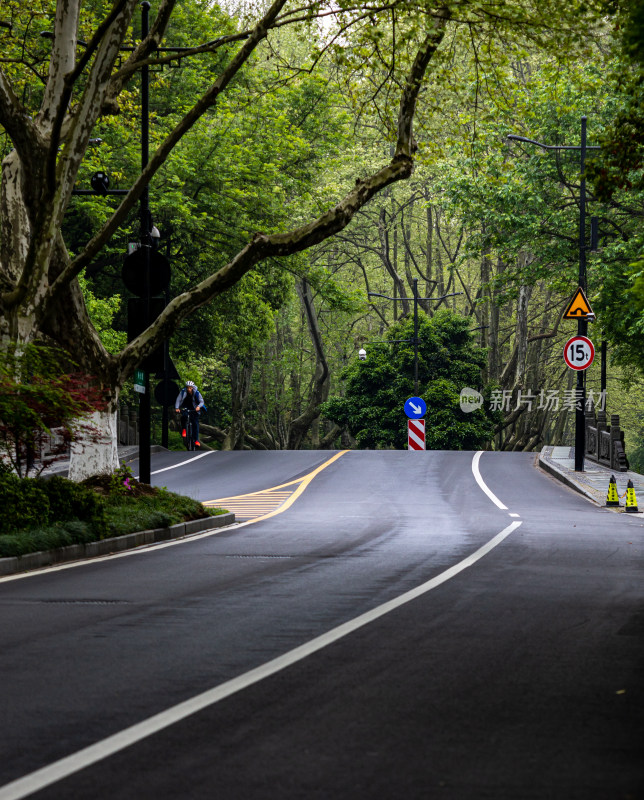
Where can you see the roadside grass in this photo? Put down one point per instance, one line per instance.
(99, 508)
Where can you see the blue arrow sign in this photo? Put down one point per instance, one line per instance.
(415, 408)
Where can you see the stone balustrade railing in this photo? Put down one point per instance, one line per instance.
(605, 443)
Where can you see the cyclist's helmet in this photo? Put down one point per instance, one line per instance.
(191, 383)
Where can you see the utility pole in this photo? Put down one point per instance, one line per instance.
(582, 323)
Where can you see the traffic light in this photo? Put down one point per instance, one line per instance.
(100, 183)
(137, 322)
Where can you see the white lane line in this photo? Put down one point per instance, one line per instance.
(181, 463)
(481, 482)
(22, 787)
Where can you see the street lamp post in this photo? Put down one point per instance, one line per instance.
(582, 323)
(415, 340)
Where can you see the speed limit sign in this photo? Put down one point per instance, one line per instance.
(579, 352)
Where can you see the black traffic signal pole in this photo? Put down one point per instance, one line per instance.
(582, 324)
(415, 340)
(166, 379)
(146, 239)
(146, 243)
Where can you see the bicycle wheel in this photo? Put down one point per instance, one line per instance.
(190, 444)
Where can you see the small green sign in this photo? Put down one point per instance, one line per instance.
(139, 381)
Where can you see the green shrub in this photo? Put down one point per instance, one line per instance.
(39, 514)
(12, 544)
(24, 503)
(69, 501)
(78, 532)
(128, 519)
(47, 538)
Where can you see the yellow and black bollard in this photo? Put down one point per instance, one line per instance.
(613, 498)
(631, 500)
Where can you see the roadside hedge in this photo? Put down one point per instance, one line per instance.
(24, 503)
(34, 503)
(44, 514)
(73, 501)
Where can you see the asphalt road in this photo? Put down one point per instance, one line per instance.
(393, 634)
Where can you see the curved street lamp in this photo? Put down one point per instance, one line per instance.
(582, 323)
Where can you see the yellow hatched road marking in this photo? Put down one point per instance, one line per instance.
(255, 506)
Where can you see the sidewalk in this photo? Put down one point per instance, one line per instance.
(593, 481)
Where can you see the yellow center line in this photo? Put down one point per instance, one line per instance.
(286, 498)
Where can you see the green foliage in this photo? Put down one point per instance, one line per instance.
(39, 391)
(24, 503)
(32, 503)
(121, 481)
(43, 514)
(102, 312)
(128, 514)
(376, 389)
(73, 501)
(636, 456)
(46, 537)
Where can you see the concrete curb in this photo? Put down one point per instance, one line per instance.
(115, 544)
(551, 469)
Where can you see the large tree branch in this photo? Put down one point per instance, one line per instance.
(61, 61)
(208, 100)
(263, 246)
(405, 144)
(74, 74)
(50, 210)
(16, 121)
(140, 54)
(107, 42)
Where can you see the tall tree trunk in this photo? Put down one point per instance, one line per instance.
(95, 451)
(299, 427)
(241, 371)
(399, 286)
(523, 302)
(440, 277)
(429, 252)
(494, 357)
(485, 315)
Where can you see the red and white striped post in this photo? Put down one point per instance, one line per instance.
(415, 434)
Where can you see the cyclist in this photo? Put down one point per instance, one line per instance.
(189, 400)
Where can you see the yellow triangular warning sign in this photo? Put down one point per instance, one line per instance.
(579, 307)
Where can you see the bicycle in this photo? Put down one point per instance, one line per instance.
(190, 428)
